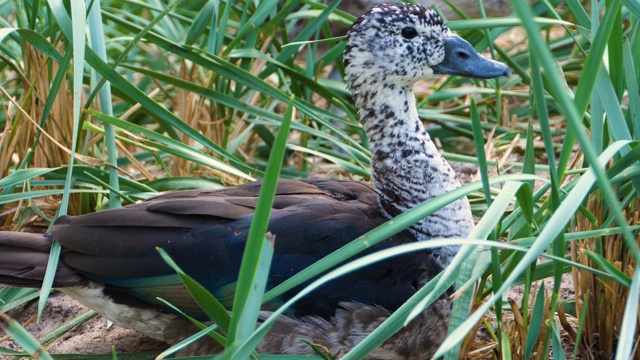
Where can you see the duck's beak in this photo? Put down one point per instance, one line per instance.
(460, 58)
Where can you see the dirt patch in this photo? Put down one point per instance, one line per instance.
(92, 337)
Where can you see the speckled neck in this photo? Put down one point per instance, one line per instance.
(388, 50)
(407, 168)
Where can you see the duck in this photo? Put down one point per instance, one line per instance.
(110, 264)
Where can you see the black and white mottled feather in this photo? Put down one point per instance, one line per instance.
(388, 51)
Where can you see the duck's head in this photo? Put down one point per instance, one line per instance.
(404, 43)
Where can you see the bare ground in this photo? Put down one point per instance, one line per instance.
(92, 337)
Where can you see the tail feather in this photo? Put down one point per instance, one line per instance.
(24, 258)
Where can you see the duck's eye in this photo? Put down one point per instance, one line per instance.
(409, 32)
(463, 55)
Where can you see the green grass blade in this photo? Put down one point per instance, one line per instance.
(472, 264)
(607, 267)
(628, 340)
(200, 22)
(396, 321)
(383, 232)
(10, 298)
(583, 314)
(505, 347)
(23, 338)
(586, 84)
(552, 229)
(97, 42)
(580, 13)
(18, 177)
(78, 12)
(556, 342)
(170, 145)
(573, 111)
(186, 342)
(633, 112)
(38, 41)
(209, 304)
(476, 24)
(256, 260)
(537, 316)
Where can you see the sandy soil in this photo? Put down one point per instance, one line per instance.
(93, 337)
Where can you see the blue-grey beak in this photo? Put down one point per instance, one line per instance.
(460, 58)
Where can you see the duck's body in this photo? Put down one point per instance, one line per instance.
(109, 260)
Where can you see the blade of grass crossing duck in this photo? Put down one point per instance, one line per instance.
(209, 304)
(256, 259)
(397, 318)
(207, 331)
(385, 231)
(553, 228)
(396, 321)
(472, 264)
(204, 330)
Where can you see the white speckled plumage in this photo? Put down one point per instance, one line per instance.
(144, 320)
(381, 68)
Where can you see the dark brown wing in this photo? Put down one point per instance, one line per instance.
(205, 232)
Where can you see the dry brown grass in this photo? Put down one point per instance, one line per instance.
(54, 137)
(604, 299)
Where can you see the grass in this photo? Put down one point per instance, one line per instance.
(184, 95)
